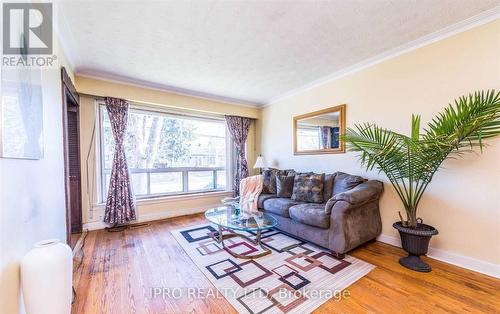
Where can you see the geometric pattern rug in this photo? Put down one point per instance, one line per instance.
(297, 277)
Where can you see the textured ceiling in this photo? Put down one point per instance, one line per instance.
(253, 51)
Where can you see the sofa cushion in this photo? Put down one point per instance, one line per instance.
(365, 192)
(310, 214)
(264, 197)
(279, 206)
(308, 188)
(328, 187)
(362, 193)
(284, 186)
(344, 182)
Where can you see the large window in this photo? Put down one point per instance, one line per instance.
(168, 153)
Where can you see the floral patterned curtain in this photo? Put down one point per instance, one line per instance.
(120, 204)
(238, 128)
(324, 132)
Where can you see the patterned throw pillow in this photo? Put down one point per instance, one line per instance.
(269, 177)
(290, 172)
(308, 188)
(284, 186)
(269, 182)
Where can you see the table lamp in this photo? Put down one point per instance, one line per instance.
(260, 163)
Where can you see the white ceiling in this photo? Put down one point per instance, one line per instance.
(244, 51)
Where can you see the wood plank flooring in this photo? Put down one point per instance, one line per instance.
(116, 272)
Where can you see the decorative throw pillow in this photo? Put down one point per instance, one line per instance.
(303, 173)
(269, 180)
(285, 172)
(308, 188)
(290, 172)
(344, 182)
(284, 186)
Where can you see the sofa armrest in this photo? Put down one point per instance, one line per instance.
(363, 193)
(353, 225)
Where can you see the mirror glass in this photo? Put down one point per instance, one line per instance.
(318, 132)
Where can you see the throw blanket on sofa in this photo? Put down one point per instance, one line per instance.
(250, 189)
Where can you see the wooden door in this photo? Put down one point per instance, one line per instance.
(72, 173)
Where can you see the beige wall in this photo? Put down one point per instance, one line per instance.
(32, 204)
(159, 208)
(463, 201)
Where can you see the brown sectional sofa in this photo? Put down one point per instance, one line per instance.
(348, 217)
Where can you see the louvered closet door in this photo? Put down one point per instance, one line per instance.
(74, 171)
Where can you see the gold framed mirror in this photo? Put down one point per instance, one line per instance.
(319, 132)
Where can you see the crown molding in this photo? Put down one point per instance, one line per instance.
(166, 88)
(462, 26)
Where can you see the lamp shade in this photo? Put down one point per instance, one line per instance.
(259, 163)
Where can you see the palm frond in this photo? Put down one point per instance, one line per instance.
(410, 162)
(466, 123)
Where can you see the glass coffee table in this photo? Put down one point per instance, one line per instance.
(229, 218)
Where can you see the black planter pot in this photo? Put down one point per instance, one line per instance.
(415, 241)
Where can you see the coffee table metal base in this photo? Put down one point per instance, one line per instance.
(219, 237)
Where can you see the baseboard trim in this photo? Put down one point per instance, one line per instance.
(97, 225)
(463, 261)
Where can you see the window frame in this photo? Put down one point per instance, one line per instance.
(102, 172)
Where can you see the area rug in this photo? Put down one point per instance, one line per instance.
(297, 277)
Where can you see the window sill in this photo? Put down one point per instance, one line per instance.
(169, 198)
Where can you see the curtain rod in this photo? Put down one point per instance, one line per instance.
(98, 97)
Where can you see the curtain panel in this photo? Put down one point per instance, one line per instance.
(120, 203)
(325, 137)
(238, 128)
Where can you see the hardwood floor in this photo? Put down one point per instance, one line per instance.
(116, 272)
(74, 239)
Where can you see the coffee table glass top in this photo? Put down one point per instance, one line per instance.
(226, 216)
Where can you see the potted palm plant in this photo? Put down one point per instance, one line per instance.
(410, 162)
